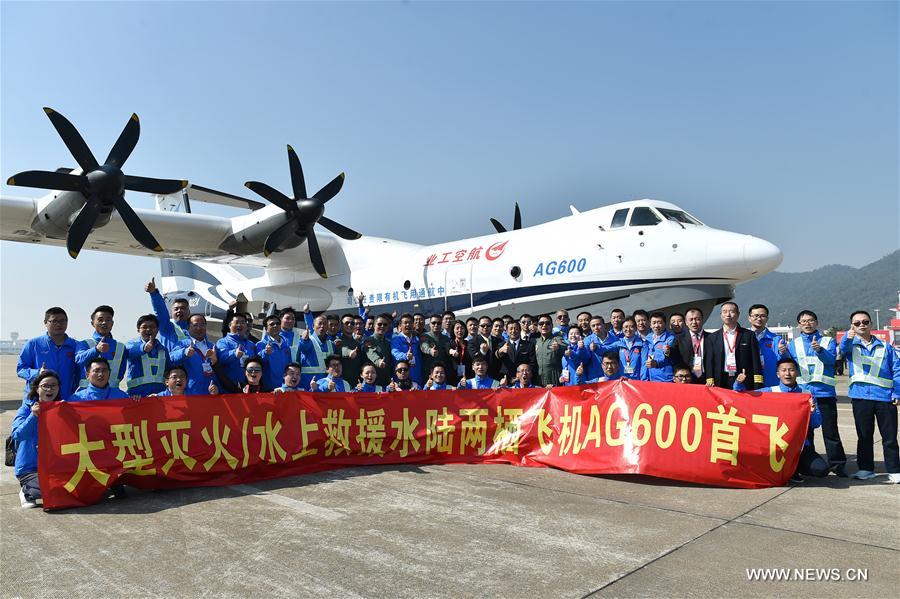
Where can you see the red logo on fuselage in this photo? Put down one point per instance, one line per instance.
(495, 250)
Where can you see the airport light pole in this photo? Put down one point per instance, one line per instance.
(877, 319)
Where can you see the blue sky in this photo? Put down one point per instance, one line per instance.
(775, 119)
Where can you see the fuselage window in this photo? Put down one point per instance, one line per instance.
(618, 219)
(643, 217)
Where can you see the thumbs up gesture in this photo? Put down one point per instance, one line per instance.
(429, 383)
(581, 344)
(463, 383)
(336, 343)
(102, 346)
(148, 346)
(434, 351)
(305, 334)
(189, 352)
(151, 286)
(503, 381)
(667, 350)
(580, 370)
(782, 346)
(742, 376)
(313, 384)
(593, 347)
(239, 352)
(213, 390)
(43, 368)
(331, 385)
(211, 355)
(851, 333)
(483, 348)
(503, 349)
(815, 345)
(268, 348)
(568, 352)
(354, 353)
(305, 308)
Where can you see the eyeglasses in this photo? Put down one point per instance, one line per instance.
(254, 370)
(177, 377)
(807, 321)
(402, 370)
(484, 325)
(682, 377)
(861, 323)
(759, 316)
(48, 387)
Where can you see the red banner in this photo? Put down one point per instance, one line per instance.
(682, 432)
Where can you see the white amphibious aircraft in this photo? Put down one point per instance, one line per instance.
(642, 253)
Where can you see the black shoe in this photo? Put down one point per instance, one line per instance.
(840, 471)
(118, 492)
(796, 479)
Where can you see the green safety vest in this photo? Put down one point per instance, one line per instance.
(295, 344)
(153, 368)
(320, 356)
(818, 366)
(180, 333)
(874, 363)
(114, 365)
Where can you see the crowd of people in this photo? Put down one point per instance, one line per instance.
(172, 355)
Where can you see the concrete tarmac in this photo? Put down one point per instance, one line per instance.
(460, 530)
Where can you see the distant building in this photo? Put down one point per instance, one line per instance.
(13, 345)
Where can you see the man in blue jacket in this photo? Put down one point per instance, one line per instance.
(172, 330)
(405, 346)
(815, 354)
(98, 385)
(199, 358)
(102, 345)
(54, 351)
(875, 391)
(235, 349)
(661, 350)
(148, 359)
(771, 346)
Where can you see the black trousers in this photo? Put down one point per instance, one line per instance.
(811, 463)
(866, 412)
(834, 449)
(30, 486)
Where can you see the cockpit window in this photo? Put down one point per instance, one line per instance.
(618, 219)
(643, 217)
(678, 216)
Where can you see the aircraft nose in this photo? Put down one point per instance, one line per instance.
(760, 256)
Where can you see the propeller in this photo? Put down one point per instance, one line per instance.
(517, 221)
(302, 213)
(103, 185)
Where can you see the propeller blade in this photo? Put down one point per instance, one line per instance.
(49, 180)
(500, 228)
(315, 254)
(339, 229)
(81, 228)
(138, 230)
(273, 195)
(150, 185)
(330, 190)
(297, 181)
(517, 221)
(279, 236)
(126, 142)
(73, 141)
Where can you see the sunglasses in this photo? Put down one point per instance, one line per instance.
(402, 370)
(254, 370)
(861, 323)
(544, 323)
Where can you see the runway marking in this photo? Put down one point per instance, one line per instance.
(294, 504)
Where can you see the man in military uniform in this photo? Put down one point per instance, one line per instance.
(435, 346)
(548, 353)
(378, 351)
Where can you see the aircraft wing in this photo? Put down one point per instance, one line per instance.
(181, 235)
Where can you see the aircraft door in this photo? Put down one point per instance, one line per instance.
(458, 287)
